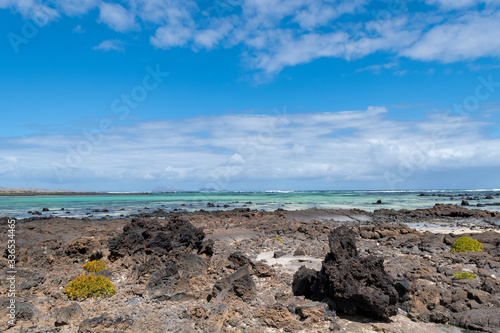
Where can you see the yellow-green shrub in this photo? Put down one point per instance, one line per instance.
(466, 244)
(86, 286)
(464, 275)
(94, 266)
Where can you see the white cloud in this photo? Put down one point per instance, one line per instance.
(283, 49)
(117, 17)
(377, 69)
(172, 36)
(470, 37)
(79, 30)
(333, 146)
(162, 12)
(274, 34)
(211, 37)
(175, 17)
(33, 10)
(454, 4)
(273, 50)
(76, 7)
(321, 13)
(111, 45)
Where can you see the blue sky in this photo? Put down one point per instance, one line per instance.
(249, 94)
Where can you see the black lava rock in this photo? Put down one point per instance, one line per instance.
(350, 283)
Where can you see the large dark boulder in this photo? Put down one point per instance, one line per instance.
(347, 282)
(151, 237)
(303, 279)
(184, 233)
(160, 241)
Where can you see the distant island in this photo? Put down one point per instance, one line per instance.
(11, 190)
(6, 191)
(166, 189)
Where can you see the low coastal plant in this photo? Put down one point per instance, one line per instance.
(466, 244)
(86, 286)
(91, 285)
(464, 275)
(94, 266)
(279, 239)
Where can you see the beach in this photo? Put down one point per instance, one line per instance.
(235, 270)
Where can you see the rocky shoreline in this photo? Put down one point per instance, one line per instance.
(240, 271)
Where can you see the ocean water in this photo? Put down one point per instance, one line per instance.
(125, 204)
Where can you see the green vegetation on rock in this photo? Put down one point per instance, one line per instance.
(86, 286)
(91, 285)
(94, 266)
(466, 244)
(279, 239)
(464, 275)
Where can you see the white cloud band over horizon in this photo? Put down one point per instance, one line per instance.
(224, 150)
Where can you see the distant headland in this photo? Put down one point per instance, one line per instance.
(6, 191)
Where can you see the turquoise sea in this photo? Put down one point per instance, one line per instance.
(118, 204)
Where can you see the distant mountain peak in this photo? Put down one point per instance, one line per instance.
(208, 189)
(166, 189)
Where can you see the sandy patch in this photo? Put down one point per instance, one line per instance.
(443, 228)
(289, 264)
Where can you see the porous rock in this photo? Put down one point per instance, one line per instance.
(162, 280)
(151, 237)
(240, 285)
(238, 260)
(486, 320)
(276, 316)
(347, 282)
(64, 314)
(105, 323)
(299, 252)
(82, 248)
(313, 312)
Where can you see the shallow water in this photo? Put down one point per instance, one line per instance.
(119, 204)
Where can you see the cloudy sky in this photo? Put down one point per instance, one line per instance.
(250, 94)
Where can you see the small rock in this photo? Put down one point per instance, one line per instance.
(64, 315)
(313, 312)
(299, 252)
(276, 316)
(278, 254)
(240, 284)
(82, 247)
